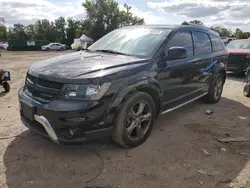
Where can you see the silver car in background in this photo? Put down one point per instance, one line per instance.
(54, 46)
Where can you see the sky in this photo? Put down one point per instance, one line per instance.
(225, 13)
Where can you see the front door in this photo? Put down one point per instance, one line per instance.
(178, 78)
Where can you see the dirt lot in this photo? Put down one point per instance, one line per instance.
(182, 151)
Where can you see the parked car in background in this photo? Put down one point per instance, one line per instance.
(5, 46)
(1, 45)
(226, 40)
(119, 88)
(54, 46)
(239, 55)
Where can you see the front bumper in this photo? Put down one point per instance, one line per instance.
(237, 66)
(67, 121)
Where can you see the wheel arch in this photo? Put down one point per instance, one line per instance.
(149, 86)
(222, 70)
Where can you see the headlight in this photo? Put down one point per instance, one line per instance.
(248, 56)
(84, 92)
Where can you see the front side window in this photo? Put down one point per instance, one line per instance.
(182, 39)
(202, 43)
(135, 41)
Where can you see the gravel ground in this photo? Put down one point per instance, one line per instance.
(181, 152)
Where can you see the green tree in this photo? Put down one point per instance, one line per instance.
(224, 32)
(30, 32)
(18, 32)
(126, 17)
(104, 16)
(71, 30)
(60, 24)
(3, 32)
(45, 30)
(239, 34)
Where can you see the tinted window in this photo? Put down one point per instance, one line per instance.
(216, 43)
(182, 39)
(202, 43)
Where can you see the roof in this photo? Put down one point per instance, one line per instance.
(188, 26)
(85, 38)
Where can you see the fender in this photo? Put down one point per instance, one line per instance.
(220, 67)
(144, 82)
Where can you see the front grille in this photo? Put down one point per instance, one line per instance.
(236, 58)
(41, 90)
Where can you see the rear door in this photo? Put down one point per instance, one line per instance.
(220, 53)
(53, 46)
(204, 58)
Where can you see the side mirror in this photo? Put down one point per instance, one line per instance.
(176, 53)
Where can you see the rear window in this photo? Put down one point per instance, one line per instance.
(239, 44)
(202, 43)
(216, 43)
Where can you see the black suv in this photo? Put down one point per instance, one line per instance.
(121, 83)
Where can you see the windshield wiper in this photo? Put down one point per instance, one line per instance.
(111, 52)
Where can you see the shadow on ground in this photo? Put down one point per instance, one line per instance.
(172, 157)
(3, 93)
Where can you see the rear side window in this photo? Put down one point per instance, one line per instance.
(182, 39)
(216, 43)
(202, 43)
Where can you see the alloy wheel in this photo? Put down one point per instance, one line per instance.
(218, 88)
(138, 120)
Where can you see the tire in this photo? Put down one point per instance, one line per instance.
(47, 49)
(61, 49)
(246, 90)
(215, 89)
(6, 86)
(131, 126)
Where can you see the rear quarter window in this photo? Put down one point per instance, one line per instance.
(216, 43)
(202, 43)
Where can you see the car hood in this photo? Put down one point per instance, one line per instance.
(239, 51)
(80, 64)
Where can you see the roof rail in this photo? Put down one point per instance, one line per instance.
(196, 25)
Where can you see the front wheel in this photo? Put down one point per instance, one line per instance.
(134, 121)
(6, 86)
(47, 49)
(215, 89)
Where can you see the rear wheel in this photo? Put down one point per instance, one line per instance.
(135, 119)
(246, 90)
(6, 86)
(215, 89)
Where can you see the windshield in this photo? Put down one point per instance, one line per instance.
(239, 45)
(137, 41)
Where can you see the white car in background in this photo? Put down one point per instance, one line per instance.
(54, 46)
(5, 45)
